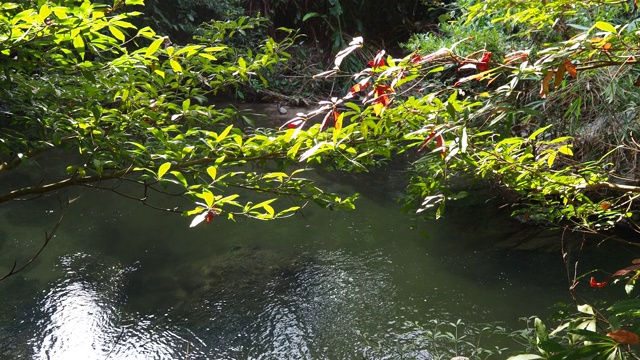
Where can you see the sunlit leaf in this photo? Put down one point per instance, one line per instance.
(224, 133)
(153, 47)
(551, 159)
(175, 66)
(198, 219)
(207, 196)
(565, 149)
(78, 44)
(117, 33)
(586, 309)
(525, 357)
(312, 151)
(163, 169)
(605, 26)
(535, 134)
(212, 171)
(242, 63)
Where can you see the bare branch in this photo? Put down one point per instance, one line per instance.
(47, 238)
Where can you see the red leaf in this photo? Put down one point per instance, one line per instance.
(544, 90)
(380, 95)
(363, 84)
(211, 214)
(378, 60)
(624, 337)
(626, 271)
(515, 56)
(384, 100)
(324, 125)
(426, 141)
(599, 285)
(571, 69)
(439, 142)
(484, 62)
(293, 123)
(383, 89)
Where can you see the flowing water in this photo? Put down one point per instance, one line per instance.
(122, 281)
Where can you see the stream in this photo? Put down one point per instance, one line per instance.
(122, 281)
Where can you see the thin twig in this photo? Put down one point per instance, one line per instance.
(47, 238)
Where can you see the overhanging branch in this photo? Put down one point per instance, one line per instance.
(76, 180)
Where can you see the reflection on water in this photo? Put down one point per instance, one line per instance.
(121, 281)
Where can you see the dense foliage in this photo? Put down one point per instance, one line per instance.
(541, 100)
(143, 114)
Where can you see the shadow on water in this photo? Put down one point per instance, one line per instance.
(121, 281)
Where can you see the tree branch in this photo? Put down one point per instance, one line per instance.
(40, 189)
(608, 185)
(47, 238)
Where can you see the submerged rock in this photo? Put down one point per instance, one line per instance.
(248, 266)
(242, 269)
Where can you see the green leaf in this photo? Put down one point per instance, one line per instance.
(551, 346)
(45, 11)
(291, 153)
(566, 149)
(586, 309)
(153, 47)
(525, 357)
(208, 56)
(207, 196)
(180, 177)
(185, 105)
(314, 150)
(309, 15)
(541, 330)
(175, 66)
(224, 133)
(551, 158)
(242, 63)
(538, 132)
(212, 171)
(214, 48)
(116, 33)
(163, 169)
(605, 26)
(78, 44)
(625, 305)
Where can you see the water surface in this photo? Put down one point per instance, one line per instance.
(123, 281)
